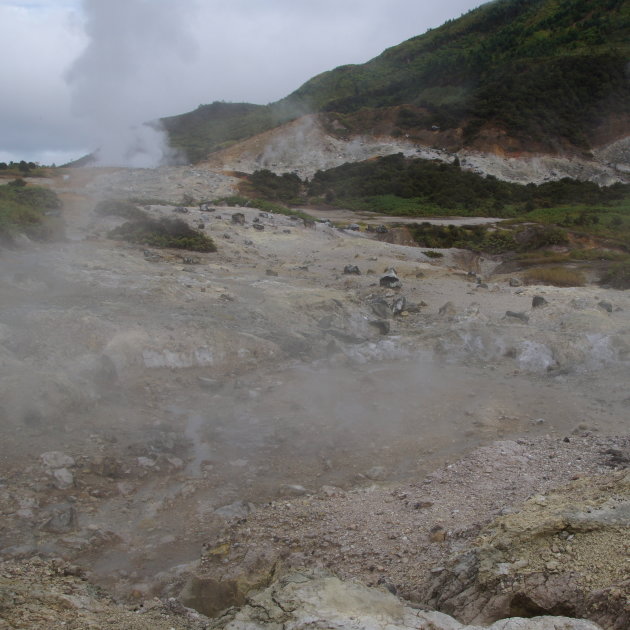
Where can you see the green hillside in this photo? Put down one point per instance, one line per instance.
(545, 71)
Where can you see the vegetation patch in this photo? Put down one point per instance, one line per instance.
(597, 254)
(555, 276)
(263, 205)
(617, 276)
(21, 169)
(400, 186)
(544, 71)
(24, 208)
(474, 237)
(163, 233)
(267, 185)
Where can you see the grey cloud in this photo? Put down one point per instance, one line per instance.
(123, 62)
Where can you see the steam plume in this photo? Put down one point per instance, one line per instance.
(134, 52)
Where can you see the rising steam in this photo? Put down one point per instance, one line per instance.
(134, 52)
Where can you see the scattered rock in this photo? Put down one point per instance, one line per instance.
(352, 270)
(376, 473)
(60, 518)
(515, 282)
(382, 325)
(63, 478)
(605, 306)
(524, 317)
(152, 256)
(538, 301)
(447, 310)
(380, 308)
(238, 218)
(294, 490)
(390, 280)
(56, 459)
(259, 226)
(399, 305)
(238, 509)
(422, 504)
(437, 534)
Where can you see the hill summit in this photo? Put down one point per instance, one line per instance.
(546, 76)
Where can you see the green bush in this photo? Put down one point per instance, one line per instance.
(617, 276)
(173, 233)
(555, 276)
(268, 185)
(23, 208)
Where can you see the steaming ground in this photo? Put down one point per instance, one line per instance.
(184, 392)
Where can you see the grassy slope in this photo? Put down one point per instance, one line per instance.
(23, 208)
(548, 71)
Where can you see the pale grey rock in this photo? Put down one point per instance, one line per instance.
(447, 310)
(399, 305)
(56, 459)
(314, 599)
(381, 308)
(63, 478)
(376, 473)
(60, 518)
(238, 509)
(292, 489)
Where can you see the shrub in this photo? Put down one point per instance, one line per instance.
(617, 276)
(433, 254)
(596, 254)
(555, 276)
(164, 232)
(23, 209)
(537, 237)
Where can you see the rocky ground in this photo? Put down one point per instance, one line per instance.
(304, 146)
(172, 421)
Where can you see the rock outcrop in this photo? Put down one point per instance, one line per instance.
(319, 600)
(565, 552)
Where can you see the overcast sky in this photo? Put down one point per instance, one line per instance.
(76, 72)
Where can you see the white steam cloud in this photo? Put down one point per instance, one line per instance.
(135, 50)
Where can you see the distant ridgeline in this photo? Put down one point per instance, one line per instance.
(547, 74)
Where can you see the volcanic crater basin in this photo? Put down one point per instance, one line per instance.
(187, 394)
